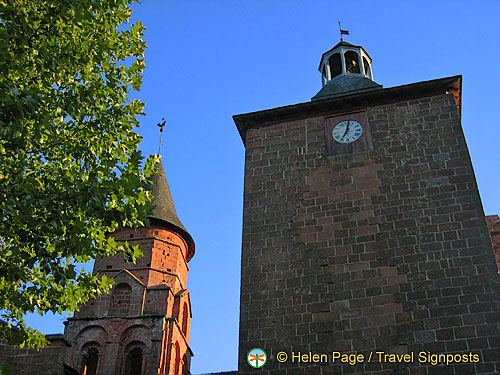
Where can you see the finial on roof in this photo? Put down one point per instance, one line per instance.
(342, 32)
(161, 125)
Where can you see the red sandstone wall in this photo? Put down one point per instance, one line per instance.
(385, 250)
(23, 361)
(148, 308)
(493, 222)
(164, 260)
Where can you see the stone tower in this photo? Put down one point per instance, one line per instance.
(363, 231)
(142, 327)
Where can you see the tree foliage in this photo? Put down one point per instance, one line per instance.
(70, 168)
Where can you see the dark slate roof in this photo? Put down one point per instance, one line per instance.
(162, 199)
(164, 212)
(345, 44)
(346, 84)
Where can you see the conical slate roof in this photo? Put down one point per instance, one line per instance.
(164, 212)
(162, 199)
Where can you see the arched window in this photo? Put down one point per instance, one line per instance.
(177, 358)
(366, 65)
(185, 370)
(335, 65)
(133, 362)
(185, 313)
(121, 299)
(90, 362)
(351, 62)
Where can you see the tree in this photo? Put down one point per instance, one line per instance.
(70, 168)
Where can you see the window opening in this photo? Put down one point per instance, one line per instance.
(133, 365)
(185, 318)
(184, 365)
(335, 65)
(352, 62)
(366, 65)
(90, 364)
(177, 358)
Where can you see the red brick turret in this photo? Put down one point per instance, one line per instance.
(142, 327)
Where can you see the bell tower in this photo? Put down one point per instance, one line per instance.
(344, 69)
(363, 231)
(143, 326)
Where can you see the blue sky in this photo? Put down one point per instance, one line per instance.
(208, 60)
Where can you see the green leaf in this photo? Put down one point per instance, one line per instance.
(70, 170)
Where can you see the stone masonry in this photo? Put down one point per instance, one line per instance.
(376, 249)
(384, 250)
(25, 361)
(149, 308)
(494, 228)
(142, 327)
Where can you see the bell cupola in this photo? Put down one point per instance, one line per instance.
(345, 69)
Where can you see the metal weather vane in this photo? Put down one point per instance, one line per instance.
(161, 125)
(342, 32)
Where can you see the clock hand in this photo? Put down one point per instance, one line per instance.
(346, 129)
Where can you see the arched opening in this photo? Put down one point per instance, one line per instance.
(121, 299)
(90, 362)
(366, 66)
(335, 65)
(185, 313)
(352, 62)
(185, 370)
(177, 358)
(133, 362)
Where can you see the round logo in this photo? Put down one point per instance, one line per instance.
(256, 358)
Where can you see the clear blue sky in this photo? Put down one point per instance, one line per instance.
(208, 60)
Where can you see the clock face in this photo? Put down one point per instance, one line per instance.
(347, 131)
